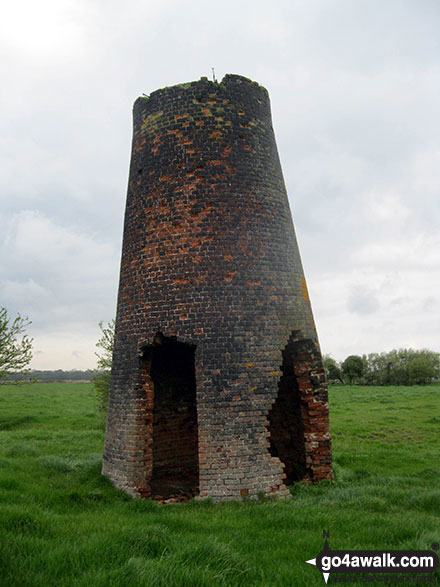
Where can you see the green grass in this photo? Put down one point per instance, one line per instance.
(62, 523)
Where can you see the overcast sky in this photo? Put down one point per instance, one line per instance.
(354, 88)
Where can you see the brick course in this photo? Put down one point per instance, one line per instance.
(211, 280)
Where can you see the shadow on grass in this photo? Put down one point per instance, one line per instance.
(16, 422)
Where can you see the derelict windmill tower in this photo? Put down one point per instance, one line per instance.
(217, 386)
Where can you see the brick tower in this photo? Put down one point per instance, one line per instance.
(217, 387)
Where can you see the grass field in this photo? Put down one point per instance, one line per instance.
(62, 523)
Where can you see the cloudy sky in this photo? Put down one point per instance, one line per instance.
(354, 87)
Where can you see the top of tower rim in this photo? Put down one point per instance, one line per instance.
(229, 80)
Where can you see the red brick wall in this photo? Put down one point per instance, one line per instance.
(210, 257)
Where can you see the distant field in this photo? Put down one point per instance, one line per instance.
(62, 523)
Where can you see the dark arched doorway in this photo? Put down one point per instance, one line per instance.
(175, 462)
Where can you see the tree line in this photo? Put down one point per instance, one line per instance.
(50, 375)
(396, 367)
(16, 354)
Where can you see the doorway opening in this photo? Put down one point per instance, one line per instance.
(286, 421)
(175, 470)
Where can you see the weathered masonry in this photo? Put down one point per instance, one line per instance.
(217, 387)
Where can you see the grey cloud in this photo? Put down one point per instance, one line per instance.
(363, 301)
(60, 273)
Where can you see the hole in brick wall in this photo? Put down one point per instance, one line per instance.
(175, 436)
(286, 424)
